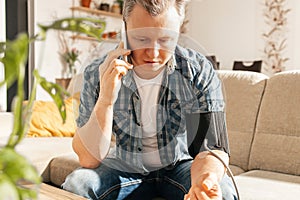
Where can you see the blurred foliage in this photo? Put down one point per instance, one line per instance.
(15, 170)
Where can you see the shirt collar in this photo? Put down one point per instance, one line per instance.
(128, 78)
(171, 65)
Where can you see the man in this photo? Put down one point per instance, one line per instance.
(146, 103)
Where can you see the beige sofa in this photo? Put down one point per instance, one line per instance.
(263, 118)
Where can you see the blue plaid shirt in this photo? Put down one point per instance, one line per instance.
(190, 85)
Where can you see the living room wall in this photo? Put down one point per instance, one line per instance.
(229, 29)
(47, 53)
(232, 30)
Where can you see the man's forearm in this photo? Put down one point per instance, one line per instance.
(205, 163)
(92, 141)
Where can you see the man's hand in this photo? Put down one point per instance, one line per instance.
(97, 131)
(110, 74)
(207, 188)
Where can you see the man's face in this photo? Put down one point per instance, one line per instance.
(152, 39)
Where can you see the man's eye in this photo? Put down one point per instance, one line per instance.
(141, 40)
(165, 40)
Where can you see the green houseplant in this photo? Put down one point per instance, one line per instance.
(14, 168)
(68, 55)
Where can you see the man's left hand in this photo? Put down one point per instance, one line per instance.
(207, 188)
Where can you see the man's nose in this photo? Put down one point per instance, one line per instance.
(153, 50)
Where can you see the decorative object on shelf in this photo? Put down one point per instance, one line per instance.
(120, 2)
(275, 15)
(68, 55)
(97, 12)
(108, 36)
(63, 82)
(116, 8)
(15, 169)
(104, 7)
(86, 3)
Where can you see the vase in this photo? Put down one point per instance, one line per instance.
(63, 82)
(86, 3)
(73, 71)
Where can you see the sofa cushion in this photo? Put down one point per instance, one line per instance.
(61, 167)
(262, 185)
(243, 93)
(276, 145)
(46, 121)
(236, 170)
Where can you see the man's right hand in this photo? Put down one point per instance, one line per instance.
(110, 73)
(92, 141)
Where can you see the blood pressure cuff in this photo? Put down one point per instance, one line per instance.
(209, 127)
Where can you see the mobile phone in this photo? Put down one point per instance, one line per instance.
(125, 41)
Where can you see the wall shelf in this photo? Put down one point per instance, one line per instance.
(96, 12)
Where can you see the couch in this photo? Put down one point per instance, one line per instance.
(263, 121)
(263, 118)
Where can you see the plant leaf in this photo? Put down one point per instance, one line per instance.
(56, 92)
(15, 52)
(12, 162)
(89, 26)
(15, 169)
(8, 189)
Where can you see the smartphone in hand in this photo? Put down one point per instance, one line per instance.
(125, 42)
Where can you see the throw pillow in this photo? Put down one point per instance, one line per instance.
(46, 121)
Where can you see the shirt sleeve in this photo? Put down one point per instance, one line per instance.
(208, 89)
(208, 113)
(89, 92)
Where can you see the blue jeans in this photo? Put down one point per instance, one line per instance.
(111, 184)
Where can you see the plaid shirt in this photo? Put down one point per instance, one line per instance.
(190, 85)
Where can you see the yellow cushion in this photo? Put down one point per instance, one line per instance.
(46, 121)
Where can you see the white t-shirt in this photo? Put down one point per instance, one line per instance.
(148, 90)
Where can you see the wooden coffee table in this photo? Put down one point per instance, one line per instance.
(48, 192)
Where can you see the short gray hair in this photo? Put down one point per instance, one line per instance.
(154, 7)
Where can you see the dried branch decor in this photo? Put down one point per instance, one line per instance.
(275, 39)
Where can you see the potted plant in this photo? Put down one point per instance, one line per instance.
(14, 168)
(86, 3)
(68, 56)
